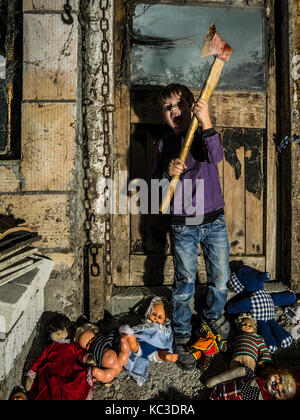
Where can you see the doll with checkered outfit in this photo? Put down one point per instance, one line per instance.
(251, 297)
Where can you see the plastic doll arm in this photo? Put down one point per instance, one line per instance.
(29, 381)
(165, 356)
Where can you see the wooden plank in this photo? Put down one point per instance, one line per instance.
(18, 273)
(234, 193)
(14, 230)
(271, 203)
(158, 270)
(17, 257)
(9, 251)
(138, 170)
(227, 108)
(16, 267)
(254, 210)
(120, 226)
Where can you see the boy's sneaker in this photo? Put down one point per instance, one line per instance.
(219, 326)
(186, 360)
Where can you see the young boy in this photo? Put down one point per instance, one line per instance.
(189, 230)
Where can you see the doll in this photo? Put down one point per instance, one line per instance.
(249, 349)
(270, 384)
(18, 394)
(205, 347)
(59, 372)
(108, 352)
(151, 341)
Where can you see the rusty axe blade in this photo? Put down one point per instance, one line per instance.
(213, 45)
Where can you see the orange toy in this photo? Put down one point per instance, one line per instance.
(206, 346)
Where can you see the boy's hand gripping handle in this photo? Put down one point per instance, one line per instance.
(210, 84)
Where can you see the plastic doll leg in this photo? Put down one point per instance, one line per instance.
(124, 353)
(229, 375)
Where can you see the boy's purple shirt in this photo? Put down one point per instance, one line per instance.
(202, 163)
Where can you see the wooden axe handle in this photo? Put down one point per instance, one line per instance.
(210, 84)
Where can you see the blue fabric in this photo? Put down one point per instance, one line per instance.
(150, 337)
(213, 239)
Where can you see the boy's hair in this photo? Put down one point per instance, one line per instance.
(176, 89)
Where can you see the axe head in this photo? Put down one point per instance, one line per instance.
(213, 45)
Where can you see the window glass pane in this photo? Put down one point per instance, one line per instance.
(167, 42)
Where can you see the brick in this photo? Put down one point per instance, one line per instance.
(50, 58)
(48, 147)
(46, 213)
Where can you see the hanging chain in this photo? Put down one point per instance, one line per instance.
(66, 16)
(106, 110)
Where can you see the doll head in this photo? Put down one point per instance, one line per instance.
(85, 335)
(246, 324)
(281, 385)
(58, 328)
(158, 313)
(18, 394)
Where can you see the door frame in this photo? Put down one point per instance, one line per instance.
(129, 270)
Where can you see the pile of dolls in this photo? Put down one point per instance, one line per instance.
(71, 363)
(67, 369)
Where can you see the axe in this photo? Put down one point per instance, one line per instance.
(213, 45)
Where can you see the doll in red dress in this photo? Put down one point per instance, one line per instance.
(59, 372)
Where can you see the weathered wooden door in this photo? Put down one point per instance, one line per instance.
(243, 109)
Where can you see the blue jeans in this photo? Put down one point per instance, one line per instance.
(213, 239)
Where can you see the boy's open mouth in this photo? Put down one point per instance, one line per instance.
(177, 120)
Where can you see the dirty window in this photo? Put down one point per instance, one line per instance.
(167, 41)
(10, 77)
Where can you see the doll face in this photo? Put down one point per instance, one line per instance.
(281, 386)
(177, 113)
(86, 339)
(247, 326)
(158, 314)
(59, 335)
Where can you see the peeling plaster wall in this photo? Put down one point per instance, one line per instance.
(45, 187)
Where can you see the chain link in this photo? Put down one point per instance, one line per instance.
(107, 109)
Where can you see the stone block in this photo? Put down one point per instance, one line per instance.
(47, 214)
(50, 58)
(21, 306)
(48, 146)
